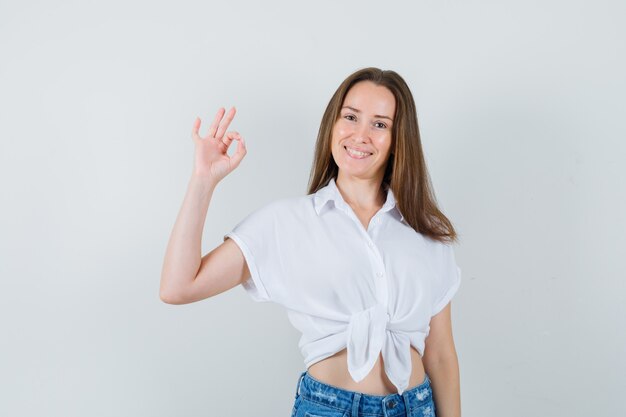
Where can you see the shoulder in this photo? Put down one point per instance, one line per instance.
(281, 210)
(440, 251)
(286, 205)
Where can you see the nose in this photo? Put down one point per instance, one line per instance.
(362, 132)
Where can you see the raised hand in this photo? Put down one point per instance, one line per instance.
(211, 160)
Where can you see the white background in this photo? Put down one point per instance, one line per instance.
(521, 109)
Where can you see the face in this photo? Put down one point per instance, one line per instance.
(364, 124)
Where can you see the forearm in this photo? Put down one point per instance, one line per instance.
(183, 255)
(445, 382)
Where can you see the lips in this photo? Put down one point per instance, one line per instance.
(356, 155)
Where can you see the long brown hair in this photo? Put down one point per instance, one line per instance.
(406, 172)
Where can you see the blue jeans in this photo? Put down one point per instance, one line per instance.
(317, 399)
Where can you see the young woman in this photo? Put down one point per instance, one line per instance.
(363, 263)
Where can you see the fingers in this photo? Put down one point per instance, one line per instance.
(241, 151)
(228, 138)
(195, 129)
(241, 147)
(219, 125)
(216, 121)
(224, 124)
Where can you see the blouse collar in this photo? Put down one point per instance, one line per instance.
(331, 192)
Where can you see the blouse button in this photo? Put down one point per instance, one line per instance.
(370, 244)
(379, 274)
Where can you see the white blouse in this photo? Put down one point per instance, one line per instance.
(344, 286)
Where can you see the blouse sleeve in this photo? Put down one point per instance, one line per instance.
(449, 279)
(257, 236)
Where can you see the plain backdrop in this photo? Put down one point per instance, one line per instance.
(521, 110)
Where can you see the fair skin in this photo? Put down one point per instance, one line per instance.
(186, 276)
(365, 123)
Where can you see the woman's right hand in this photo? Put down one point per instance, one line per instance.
(211, 160)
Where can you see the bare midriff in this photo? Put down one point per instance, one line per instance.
(334, 371)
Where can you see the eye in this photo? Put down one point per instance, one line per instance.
(381, 125)
(349, 117)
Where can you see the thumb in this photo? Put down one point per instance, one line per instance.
(239, 153)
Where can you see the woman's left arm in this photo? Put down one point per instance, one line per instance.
(442, 365)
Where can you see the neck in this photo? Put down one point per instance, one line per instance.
(361, 193)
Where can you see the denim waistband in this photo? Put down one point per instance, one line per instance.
(363, 404)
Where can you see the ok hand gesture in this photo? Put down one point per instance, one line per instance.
(211, 160)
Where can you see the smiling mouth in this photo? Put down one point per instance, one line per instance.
(356, 154)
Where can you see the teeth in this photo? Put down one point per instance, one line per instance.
(356, 153)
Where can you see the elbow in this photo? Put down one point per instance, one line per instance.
(170, 296)
(166, 297)
(439, 360)
(169, 292)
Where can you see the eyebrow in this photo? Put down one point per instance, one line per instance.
(380, 116)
